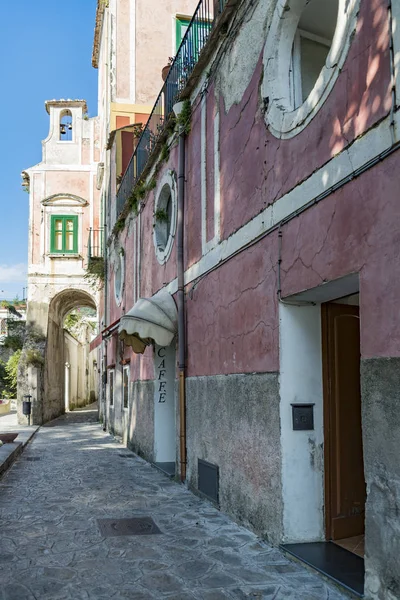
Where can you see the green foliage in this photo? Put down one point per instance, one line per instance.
(161, 215)
(119, 225)
(11, 369)
(71, 321)
(164, 152)
(14, 342)
(34, 358)
(137, 130)
(184, 120)
(139, 192)
(95, 272)
(3, 383)
(75, 319)
(152, 184)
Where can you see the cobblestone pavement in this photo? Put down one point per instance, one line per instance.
(51, 547)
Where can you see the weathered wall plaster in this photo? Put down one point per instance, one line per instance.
(380, 385)
(233, 422)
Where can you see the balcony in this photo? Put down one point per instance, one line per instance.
(198, 32)
(95, 244)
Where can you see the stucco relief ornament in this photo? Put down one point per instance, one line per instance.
(281, 118)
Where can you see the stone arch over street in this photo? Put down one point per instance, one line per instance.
(43, 372)
(55, 356)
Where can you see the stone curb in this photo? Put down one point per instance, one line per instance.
(10, 452)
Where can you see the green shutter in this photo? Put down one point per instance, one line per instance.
(199, 33)
(64, 219)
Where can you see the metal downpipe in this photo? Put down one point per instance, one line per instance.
(181, 304)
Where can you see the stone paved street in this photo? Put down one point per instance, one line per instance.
(51, 547)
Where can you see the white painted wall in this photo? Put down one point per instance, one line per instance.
(164, 405)
(302, 451)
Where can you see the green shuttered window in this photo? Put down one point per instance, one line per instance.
(197, 37)
(64, 234)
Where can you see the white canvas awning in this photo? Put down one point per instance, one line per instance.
(154, 318)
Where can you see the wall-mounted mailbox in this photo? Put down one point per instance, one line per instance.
(303, 417)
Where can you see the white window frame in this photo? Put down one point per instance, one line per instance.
(169, 178)
(280, 118)
(126, 369)
(296, 88)
(119, 293)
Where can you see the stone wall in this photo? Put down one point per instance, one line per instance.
(233, 422)
(380, 383)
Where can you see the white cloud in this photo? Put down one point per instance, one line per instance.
(10, 273)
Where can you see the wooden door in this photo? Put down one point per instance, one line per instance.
(344, 467)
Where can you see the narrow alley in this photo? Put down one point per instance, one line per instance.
(61, 539)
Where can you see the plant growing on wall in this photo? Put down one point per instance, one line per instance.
(95, 272)
(34, 358)
(164, 152)
(137, 130)
(119, 225)
(14, 342)
(161, 215)
(184, 119)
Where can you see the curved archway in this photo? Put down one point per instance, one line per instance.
(56, 354)
(66, 132)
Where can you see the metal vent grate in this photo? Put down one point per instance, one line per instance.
(208, 480)
(119, 527)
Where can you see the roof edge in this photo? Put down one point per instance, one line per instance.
(101, 5)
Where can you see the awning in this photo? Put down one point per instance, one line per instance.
(154, 318)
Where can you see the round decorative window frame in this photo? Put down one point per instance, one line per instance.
(119, 293)
(161, 197)
(280, 118)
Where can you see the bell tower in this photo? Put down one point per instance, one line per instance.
(68, 125)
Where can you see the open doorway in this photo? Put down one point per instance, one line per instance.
(345, 489)
(323, 482)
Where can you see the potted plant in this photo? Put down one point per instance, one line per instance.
(165, 70)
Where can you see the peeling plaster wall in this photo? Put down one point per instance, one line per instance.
(354, 230)
(256, 167)
(240, 61)
(233, 422)
(232, 320)
(380, 385)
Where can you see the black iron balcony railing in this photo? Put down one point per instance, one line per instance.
(187, 57)
(95, 243)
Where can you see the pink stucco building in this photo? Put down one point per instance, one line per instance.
(268, 212)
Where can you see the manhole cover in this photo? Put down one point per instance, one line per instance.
(118, 527)
(32, 458)
(126, 455)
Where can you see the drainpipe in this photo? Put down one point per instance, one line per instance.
(392, 73)
(181, 295)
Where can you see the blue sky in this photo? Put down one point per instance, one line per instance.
(46, 50)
